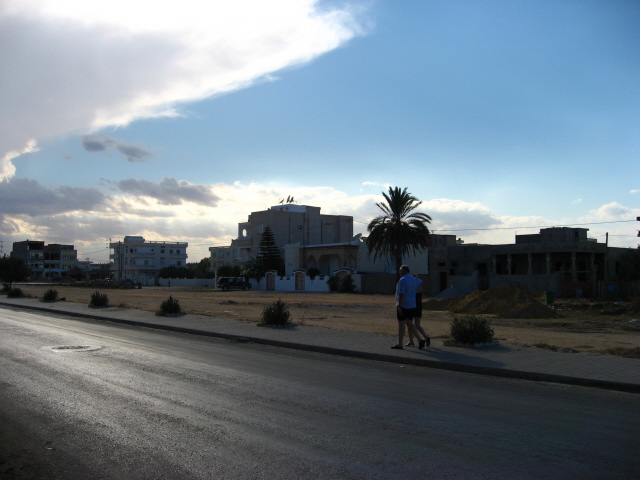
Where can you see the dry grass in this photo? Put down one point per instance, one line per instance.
(577, 329)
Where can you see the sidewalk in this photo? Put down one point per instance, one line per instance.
(528, 363)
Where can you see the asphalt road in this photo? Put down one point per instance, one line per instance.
(132, 403)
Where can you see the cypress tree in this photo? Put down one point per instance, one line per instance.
(269, 253)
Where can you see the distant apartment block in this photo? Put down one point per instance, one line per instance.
(46, 261)
(140, 261)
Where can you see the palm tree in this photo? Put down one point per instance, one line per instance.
(400, 230)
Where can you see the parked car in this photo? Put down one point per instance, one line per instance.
(226, 283)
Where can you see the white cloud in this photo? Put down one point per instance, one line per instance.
(90, 65)
(613, 211)
(634, 191)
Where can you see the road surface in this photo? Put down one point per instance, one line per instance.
(93, 400)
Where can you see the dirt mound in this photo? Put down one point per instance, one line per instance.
(504, 302)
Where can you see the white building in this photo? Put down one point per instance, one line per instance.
(140, 261)
(302, 225)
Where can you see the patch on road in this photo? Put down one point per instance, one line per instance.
(73, 348)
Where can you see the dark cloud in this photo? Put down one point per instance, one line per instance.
(21, 196)
(93, 145)
(170, 191)
(98, 142)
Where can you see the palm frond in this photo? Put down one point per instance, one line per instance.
(400, 230)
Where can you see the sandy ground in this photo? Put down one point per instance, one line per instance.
(574, 330)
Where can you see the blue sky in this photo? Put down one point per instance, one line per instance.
(176, 123)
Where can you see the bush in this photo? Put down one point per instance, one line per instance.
(15, 293)
(344, 286)
(471, 329)
(276, 314)
(347, 285)
(99, 300)
(171, 306)
(313, 273)
(50, 295)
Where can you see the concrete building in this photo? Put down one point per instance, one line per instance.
(560, 259)
(59, 260)
(221, 256)
(140, 261)
(32, 253)
(323, 241)
(46, 261)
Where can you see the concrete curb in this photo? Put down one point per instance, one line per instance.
(456, 367)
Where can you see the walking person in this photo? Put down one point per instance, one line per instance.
(406, 306)
(417, 319)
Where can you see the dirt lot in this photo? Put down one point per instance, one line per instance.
(569, 326)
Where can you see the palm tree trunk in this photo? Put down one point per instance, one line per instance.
(397, 255)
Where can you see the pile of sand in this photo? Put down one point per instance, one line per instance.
(503, 302)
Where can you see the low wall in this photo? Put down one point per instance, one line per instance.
(287, 283)
(187, 282)
(535, 283)
(383, 283)
(465, 284)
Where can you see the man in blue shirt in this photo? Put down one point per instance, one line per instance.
(406, 306)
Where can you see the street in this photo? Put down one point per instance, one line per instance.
(90, 399)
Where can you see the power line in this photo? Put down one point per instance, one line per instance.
(89, 253)
(537, 226)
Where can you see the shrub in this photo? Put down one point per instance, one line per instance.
(99, 300)
(170, 306)
(15, 293)
(276, 314)
(471, 329)
(50, 295)
(344, 286)
(313, 272)
(347, 285)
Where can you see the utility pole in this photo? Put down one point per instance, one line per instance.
(606, 257)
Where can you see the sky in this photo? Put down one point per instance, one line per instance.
(176, 120)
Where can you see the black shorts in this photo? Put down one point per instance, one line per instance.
(405, 313)
(418, 305)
